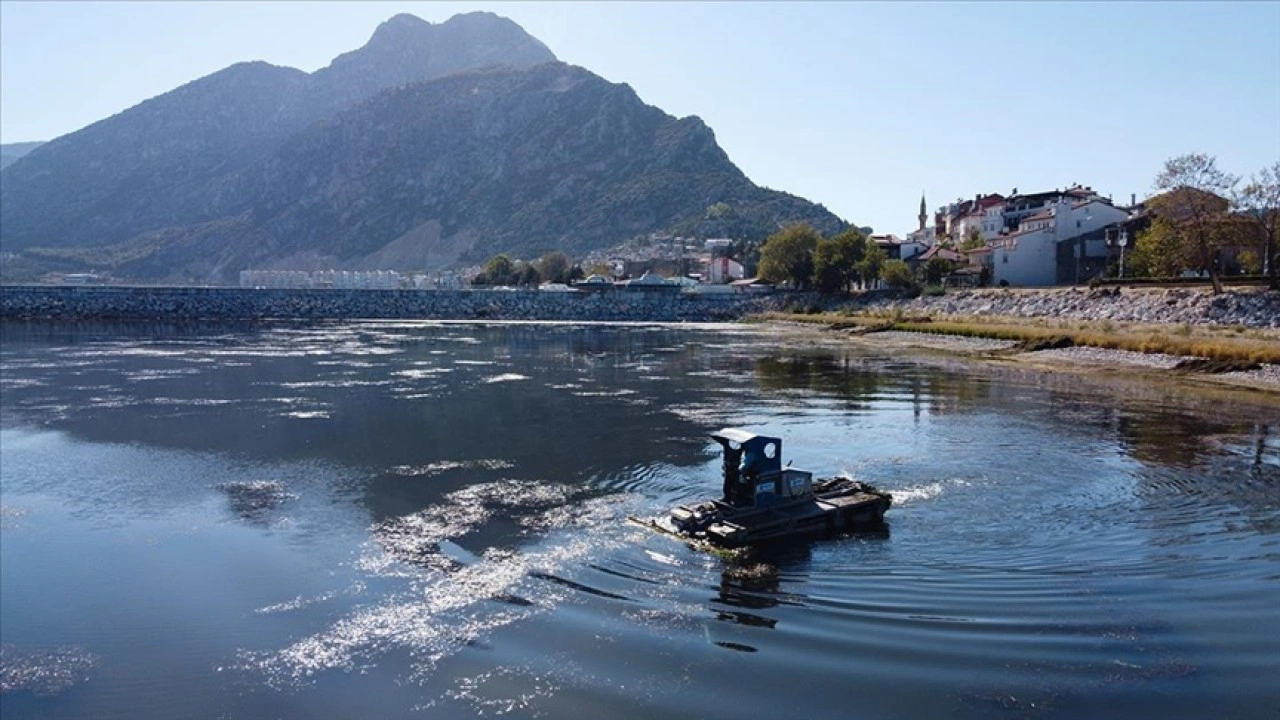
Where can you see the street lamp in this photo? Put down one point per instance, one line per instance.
(1122, 239)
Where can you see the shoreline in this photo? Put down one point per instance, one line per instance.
(1261, 385)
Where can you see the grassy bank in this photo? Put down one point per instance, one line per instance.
(1230, 344)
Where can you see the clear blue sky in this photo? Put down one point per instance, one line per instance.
(858, 106)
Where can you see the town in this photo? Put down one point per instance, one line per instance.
(1202, 224)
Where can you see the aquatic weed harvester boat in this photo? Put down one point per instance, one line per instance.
(764, 501)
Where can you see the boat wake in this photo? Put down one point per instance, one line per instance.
(926, 492)
(453, 597)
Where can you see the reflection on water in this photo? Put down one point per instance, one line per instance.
(389, 518)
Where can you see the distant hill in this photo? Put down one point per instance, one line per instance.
(12, 151)
(432, 145)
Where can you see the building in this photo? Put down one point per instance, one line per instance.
(1019, 207)
(721, 270)
(1029, 256)
(955, 221)
(719, 246)
(896, 248)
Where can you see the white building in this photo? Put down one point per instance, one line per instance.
(1019, 207)
(717, 246)
(925, 236)
(968, 225)
(1029, 257)
(897, 248)
(721, 270)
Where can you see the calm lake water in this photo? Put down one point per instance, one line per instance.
(425, 520)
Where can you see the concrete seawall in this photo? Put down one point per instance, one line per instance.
(194, 303)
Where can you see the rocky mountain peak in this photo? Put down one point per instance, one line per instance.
(400, 32)
(433, 144)
(406, 49)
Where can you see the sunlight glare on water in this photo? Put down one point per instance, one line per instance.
(396, 519)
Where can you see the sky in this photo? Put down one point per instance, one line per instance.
(858, 106)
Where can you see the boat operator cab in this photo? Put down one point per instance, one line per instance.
(753, 473)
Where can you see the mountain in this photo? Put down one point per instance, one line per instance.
(430, 146)
(10, 152)
(148, 167)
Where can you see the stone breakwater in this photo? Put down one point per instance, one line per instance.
(152, 303)
(1142, 305)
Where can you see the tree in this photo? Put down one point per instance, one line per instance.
(835, 261)
(526, 274)
(1259, 201)
(937, 270)
(1157, 251)
(1193, 196)
(497, 271)
(1250, 263)
(973, 241)
(897, 274)
(554, 267)
(872, 261)
(787, 256)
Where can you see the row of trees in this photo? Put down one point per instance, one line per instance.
(1200, 212)
(552, 267)
(801, 257)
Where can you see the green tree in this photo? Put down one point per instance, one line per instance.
(787, 256)
(871, 263)
(526, 274)
(553, 267)
(973, 241)
(897, 274)
(1193, 196)
(835, 261)
(936, 270)
(1157, 251)
(1250, 263)
(498, 271)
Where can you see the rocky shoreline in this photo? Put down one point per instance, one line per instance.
(1266, 377)
(192, 303)
(1175, 306)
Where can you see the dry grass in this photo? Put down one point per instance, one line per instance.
(1217, 343)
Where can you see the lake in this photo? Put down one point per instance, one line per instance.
(428, 520)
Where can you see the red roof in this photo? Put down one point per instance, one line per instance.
(944, 253)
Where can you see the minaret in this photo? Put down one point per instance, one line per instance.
(923, 214)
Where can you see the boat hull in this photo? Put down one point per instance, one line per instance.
(836, 506)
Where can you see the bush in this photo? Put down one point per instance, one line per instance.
(897, 274)
(933, 291)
